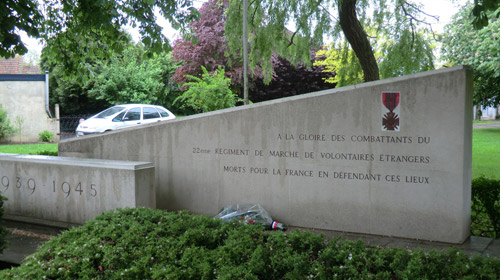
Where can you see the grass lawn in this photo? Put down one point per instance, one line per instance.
(32, 149)
(486, 152)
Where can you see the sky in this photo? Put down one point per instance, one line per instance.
(444, 9)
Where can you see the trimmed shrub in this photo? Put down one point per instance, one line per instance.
(46, 153)
(6, 129)
(153, 244)
(485, 209)
(46, 136)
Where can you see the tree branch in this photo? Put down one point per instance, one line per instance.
(357, 38)
(291, 39)
(420, 11)
(413, 18)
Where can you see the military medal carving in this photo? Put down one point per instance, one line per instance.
(390, 111)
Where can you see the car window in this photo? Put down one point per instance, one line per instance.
(133, 114)
(163, 113)
(119, 117)
(109, 112)
(149, 113)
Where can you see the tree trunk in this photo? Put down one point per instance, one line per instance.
(358, 39)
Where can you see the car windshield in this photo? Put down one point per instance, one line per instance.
(109, 112)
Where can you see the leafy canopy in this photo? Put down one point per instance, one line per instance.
(75, 30)
(463, 44)
(129, 78)
(313, 20)
(482, 11)
(207, 46)
(343, 62)
(17, 15)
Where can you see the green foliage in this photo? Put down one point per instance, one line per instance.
(486, 207)
(399, 53)
(153, 244)
(209, 93)
(409, 53)
(17, 15)
(343, 62)
(46, 136)
(480, 12)
(132, 78)
(124, 78)
(3, 229)
(267, 26)
(78, 30)
(463, 44)
(6, 129)
(389, 21)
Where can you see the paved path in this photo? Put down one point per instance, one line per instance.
(24, 239)
(490, 125)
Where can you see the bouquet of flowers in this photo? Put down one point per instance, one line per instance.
(252, 214)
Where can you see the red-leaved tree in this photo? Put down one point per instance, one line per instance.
(206, 46)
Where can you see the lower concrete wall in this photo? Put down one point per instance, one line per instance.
(72, 191)
(391, 157)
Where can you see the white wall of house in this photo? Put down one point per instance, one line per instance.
(488, 113)
(25, 103)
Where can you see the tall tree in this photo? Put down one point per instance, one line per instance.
(17, 15)
(463, 44)
(482, 10)
(127, 77)
(132, 78)
(206, 46)
(87, 28)
(314, 19)
(357, 37)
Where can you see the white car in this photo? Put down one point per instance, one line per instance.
(122, 116)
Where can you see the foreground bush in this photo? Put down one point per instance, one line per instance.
(153, 244)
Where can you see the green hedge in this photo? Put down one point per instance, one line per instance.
(485, 210)
(153, 244)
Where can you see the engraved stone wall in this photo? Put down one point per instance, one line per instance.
(391, 157)
(68, 190)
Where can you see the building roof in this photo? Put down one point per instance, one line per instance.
(16, 65)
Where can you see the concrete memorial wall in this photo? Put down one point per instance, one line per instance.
(72, 191)
(390, 157)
